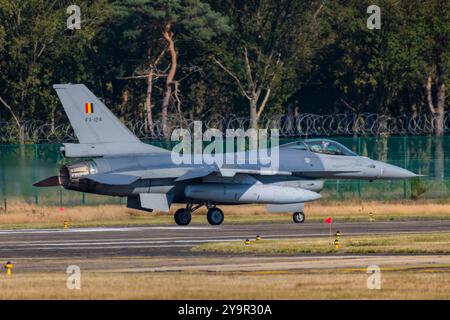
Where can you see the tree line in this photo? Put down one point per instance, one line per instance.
(193, 59)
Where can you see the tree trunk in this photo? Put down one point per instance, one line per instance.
(22, 134)
(439, 115)
(440, 95)
(148, 103)
(440, 130)
(253, 114)
(20, 127)
(254, 110)
(123, 104)
(168, 36)
(438, 111)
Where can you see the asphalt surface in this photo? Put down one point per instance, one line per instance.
(174, 241)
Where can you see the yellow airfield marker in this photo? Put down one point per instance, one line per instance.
(8, 267)
(336, 244)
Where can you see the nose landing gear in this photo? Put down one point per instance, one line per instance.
(298, 217)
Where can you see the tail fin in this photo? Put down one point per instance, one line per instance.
(94, 124)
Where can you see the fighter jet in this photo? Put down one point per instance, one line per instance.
(117, 163)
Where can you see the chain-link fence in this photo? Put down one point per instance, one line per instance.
(21, 166)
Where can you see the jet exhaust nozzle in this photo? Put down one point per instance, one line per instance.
(70, 175)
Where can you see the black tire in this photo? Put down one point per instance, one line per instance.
(298, 217)
(182, 217)
(215, 216)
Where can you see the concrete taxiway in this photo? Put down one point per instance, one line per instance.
(177, 241)
(157, 262)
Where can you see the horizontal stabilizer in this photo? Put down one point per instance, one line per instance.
(48, 182)
(113, 179)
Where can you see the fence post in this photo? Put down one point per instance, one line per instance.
(404, 163)
(337, 188)
(83, 199)
(36, 157)
(359, 181)
(3, 175)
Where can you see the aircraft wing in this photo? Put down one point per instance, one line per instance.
(231, 172)
(226, 172)
(196, 173)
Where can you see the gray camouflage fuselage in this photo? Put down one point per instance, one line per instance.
(121, 165)
(158, 174)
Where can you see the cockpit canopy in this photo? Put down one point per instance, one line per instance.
(323, 146)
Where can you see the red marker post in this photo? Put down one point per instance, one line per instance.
(329, 220)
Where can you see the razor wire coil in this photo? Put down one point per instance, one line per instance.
(303, 125)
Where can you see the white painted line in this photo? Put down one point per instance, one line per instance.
(107, 247)
(131, 243)
(106, 229)
(202, 238)
(96, 243)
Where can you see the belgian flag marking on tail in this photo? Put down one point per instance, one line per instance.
(88, 107)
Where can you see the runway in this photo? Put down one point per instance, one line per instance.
(174, 241)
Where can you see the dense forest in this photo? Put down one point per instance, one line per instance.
(193, 59)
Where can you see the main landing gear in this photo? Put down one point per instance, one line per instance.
(183, 216)
(298, 217)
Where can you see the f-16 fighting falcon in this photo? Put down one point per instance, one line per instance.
(119, 164)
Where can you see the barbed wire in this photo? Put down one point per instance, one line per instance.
(303, 125)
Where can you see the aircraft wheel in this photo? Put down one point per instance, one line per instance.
(182, 217)
(215, 216)
(298, 217)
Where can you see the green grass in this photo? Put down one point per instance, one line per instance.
(436, 243)
(22, 215)
(151, 219)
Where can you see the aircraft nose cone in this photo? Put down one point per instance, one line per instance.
(394, 172)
